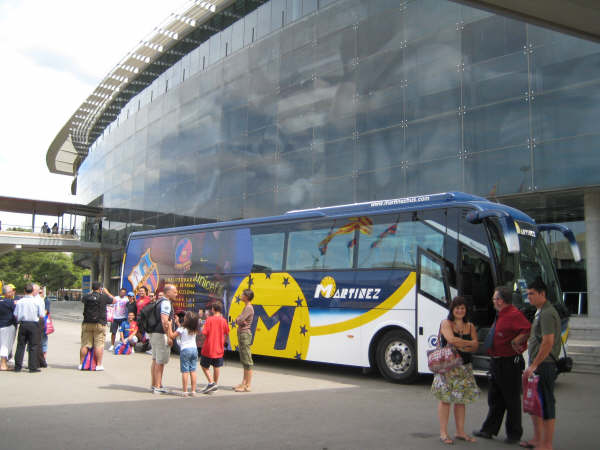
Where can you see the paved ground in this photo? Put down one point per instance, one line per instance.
(293, 406)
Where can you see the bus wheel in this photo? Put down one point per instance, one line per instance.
(396, 357)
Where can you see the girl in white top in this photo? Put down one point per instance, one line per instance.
(188, 355)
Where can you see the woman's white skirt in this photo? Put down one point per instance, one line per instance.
(7, 339)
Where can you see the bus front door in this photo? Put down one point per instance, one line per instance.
(433, 294)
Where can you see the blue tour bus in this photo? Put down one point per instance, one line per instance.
(363, 284)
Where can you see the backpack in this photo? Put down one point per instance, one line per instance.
(91, 308)
(150, 317)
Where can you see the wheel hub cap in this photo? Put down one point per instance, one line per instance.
(398, 357)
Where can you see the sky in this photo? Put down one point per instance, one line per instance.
(54, 53)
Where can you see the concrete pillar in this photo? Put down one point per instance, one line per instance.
(94, 270)
(592, 250)
(106, 270)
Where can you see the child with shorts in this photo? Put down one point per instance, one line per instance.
(188, 354)
(215, 331)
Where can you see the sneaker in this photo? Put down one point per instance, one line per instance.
(210, 387)
(148, 352)
(160, 390)
(192, 393)
(99, 368)
(79, 366)
(111, 348)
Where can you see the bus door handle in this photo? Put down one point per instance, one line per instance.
(420, 331)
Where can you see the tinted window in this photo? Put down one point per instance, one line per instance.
(322, 245)
(267, 247)
(394, 240)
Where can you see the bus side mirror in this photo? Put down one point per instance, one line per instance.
(507, 223)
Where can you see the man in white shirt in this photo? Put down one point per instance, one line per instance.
(119, 316)
(28, 313)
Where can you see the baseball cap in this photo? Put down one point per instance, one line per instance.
(130, 294)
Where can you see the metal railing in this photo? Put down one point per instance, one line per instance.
(61, 232)
(576, 301)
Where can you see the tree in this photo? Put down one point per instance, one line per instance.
(54, 270)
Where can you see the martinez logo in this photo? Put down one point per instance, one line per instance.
(183, 255)
(327, 289)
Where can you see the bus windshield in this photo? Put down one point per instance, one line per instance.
(517, 270)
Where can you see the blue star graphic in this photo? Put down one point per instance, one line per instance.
(238, 299)
(233, 324)
(250, 281)
(299, 302)
(303, 330)
(286, 281)
(298, 355)
(267, 275)
(236, 348)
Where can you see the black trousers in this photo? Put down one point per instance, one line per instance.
(504, 395)
(29, 334)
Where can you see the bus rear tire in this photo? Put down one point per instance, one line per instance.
(396, 357)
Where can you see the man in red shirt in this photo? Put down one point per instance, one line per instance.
(142, 299)
(509, 332)
(216, 330)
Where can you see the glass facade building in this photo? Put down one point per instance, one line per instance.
(305, 103)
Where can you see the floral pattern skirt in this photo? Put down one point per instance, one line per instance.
(456, 386)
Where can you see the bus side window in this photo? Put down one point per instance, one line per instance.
(321, 245)
(394, 240)
(267, 248)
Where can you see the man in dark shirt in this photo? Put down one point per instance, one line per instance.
(93, 328)
(131, 304)
(509, 333)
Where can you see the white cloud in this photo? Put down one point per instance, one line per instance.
(54, 54)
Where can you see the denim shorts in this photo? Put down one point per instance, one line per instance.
(188, 360)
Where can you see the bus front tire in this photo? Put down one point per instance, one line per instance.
(396, 357)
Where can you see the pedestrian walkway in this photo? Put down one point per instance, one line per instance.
(127, 378)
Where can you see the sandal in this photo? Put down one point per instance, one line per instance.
(446, 440)
(526, 444)
(466, 438)
(242, 388)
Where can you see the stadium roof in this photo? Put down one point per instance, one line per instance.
(178, 35)
(185, 30)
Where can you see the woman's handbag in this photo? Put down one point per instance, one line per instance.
(443, 359)
(531, 397)
(48, 325)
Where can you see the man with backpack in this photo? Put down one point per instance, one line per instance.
(94, 322)
(157, 318)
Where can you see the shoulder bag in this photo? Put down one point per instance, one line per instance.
(443, 359)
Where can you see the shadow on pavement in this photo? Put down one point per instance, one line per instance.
(125, 387)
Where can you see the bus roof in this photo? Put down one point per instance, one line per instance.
(446, 199)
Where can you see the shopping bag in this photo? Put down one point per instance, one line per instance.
(123, 348)
(89, 360)
(110, 313)
(48, 325)
(532, 403)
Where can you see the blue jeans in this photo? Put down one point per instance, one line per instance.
(188, 360)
